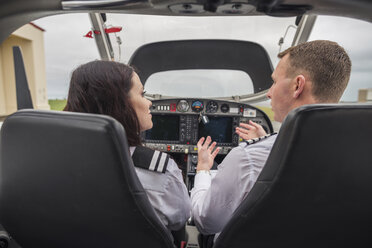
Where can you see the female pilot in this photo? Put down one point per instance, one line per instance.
(114, 89)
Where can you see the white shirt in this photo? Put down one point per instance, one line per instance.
(167, 193)
(215, 200)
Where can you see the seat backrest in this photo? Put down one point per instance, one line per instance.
(316, 187)
(67, 180)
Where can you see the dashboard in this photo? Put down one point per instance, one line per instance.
(178, 124)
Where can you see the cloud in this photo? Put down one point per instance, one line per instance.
(66, 47)
(355, 37)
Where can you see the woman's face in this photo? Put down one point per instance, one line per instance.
(140, 104)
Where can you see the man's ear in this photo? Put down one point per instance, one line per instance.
(299, 86)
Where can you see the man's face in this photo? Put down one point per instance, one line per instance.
(281, 92)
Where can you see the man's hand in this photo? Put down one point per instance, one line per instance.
(206, 154)
(250, 131)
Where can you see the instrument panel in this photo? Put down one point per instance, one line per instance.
(178, 124)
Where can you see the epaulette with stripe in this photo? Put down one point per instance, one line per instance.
(255, 140)
(149, 159)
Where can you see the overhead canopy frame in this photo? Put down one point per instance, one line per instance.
(244, 56)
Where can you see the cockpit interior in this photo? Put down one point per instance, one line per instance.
(68, 179)
(179, 124)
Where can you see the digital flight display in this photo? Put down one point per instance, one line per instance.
(178, 124)
(165, 127)
(219, 128)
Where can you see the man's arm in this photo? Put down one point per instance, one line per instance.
(214, 201)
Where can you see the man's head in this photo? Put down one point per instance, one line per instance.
(311, 72)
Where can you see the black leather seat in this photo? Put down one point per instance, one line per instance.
(316, 187)
(67, 180)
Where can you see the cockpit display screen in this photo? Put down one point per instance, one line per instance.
(165, 127)
(219, 128)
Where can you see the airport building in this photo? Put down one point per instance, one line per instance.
(30, 38)
(365, 95)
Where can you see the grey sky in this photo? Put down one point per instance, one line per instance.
(356, 38)
(63, 57)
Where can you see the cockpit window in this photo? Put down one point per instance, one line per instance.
(138, 30)
(199, 83)
(352, 35)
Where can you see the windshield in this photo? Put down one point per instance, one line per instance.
(199, 83)
(62, 58)
(141, 30)
(353, 36)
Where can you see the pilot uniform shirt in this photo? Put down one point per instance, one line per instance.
(214, 200)
(167, 194)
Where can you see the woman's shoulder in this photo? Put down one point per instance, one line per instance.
(153, 160)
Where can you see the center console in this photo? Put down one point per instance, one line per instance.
(178, 124)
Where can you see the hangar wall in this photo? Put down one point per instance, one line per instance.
(30, 38)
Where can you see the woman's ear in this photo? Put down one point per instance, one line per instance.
(299, 86)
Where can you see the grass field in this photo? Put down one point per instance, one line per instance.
(57, 104)
(267, 111)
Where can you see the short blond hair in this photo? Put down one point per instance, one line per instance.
(326, 63)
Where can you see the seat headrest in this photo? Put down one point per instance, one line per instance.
(315, 189)
(67, 180)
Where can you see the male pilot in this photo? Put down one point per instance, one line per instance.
(312, 72)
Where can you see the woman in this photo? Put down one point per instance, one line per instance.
(114, 89)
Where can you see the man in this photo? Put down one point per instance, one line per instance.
(312, 72)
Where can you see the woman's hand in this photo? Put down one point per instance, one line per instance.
(206, 154)
(250, 131)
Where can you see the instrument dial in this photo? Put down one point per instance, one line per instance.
(183, 106)
(212, 107)
(225, 108)
(197, 106)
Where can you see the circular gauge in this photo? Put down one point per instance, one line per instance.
(212, 107)
(197, 106)
(183, 106)
(225, 108)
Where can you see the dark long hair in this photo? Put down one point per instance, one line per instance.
(102, 87)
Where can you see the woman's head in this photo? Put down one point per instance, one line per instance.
(114, 89)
